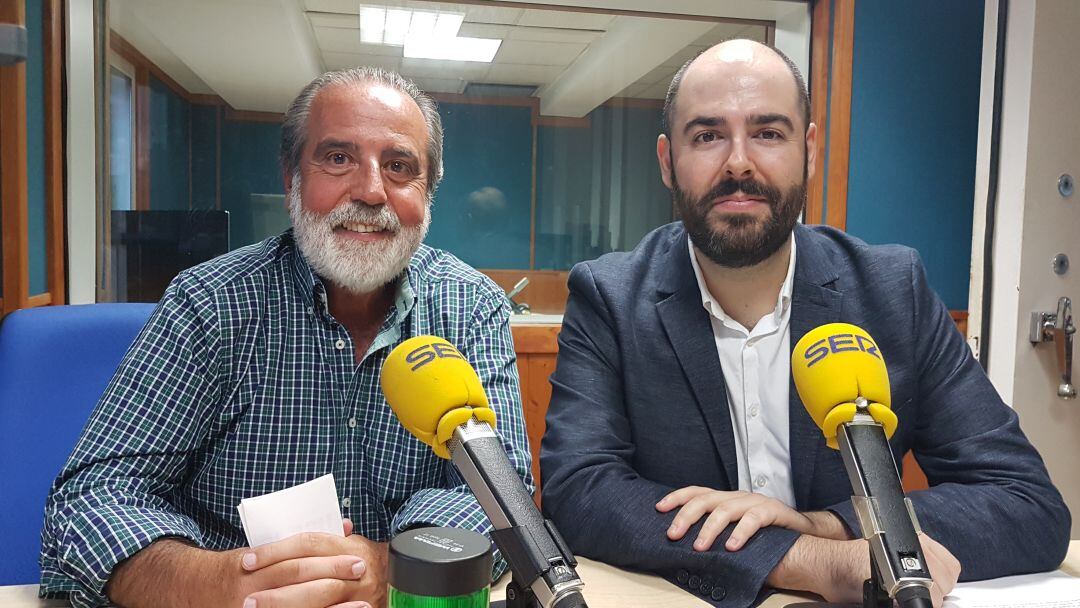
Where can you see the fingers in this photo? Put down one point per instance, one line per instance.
(756, 517)
(722, 515)
(310, 594)
(305, 569)
(943, 566)
(308, 544)
(691, 512)
(680, 497)
(347, 526)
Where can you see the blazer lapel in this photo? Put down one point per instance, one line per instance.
(688, 328)
(813, 303)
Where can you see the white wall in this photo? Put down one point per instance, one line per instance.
(81, 153)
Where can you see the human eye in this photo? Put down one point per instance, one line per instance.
(399, 167)
(706, 137)
(771, 135)
(338, 159)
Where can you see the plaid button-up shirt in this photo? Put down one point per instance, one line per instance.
(242, 383)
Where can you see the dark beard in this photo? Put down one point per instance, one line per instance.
(747, 241)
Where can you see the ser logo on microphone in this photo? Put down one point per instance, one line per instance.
(838, 343)
(426, 353)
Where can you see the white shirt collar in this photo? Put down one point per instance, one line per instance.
(783, 300)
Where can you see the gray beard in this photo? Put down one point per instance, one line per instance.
(355, 266)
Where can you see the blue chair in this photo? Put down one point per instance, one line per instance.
(54, 364)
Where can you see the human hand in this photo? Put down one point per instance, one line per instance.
(752, 511)
(313, 570)
(836, 570)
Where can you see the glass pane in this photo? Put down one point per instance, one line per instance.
(35, 150)
(121, 144)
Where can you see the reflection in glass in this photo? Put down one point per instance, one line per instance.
(120, 140)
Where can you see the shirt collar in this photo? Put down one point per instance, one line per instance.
(783, 300)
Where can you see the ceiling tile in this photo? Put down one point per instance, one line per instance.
(538, 53)
(333, 20)
(507, 73)
(722, 31)
(565, 19)
(682, 57)
(438, 68)
(337, 40)
(655, 75)
(655, 91)
(440, 85)
(485, 30)
(552, 34)
(340, 40)
(344, 61)
(633, 90)
(334, 6)
(493, 14)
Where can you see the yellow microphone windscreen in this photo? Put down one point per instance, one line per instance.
(433, 389)
(833, 365)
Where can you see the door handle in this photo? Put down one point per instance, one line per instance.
(1057, 328)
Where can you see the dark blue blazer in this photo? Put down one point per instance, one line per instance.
(639, 409)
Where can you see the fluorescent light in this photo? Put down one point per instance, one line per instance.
(424, 34)
(372, 21)
(453, 49)
(423, 25)
(448, 25)
(397, 26)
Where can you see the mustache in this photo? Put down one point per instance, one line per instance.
(379, 216)
(749, 187)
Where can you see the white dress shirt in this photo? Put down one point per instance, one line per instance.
(756, 366)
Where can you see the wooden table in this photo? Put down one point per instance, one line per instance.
(605, 587)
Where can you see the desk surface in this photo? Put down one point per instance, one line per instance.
(605, 587)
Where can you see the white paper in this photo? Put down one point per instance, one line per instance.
(308, 507)
(1047, 590)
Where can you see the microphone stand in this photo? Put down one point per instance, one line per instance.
(897, 565)
(540, 560)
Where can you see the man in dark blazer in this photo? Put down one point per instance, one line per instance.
(676, 442)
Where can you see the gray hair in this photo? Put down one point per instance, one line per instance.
(294, 128)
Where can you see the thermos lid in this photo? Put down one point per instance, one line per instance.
(440, 562)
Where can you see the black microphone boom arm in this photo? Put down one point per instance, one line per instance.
(541, 562)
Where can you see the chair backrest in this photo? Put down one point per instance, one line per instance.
(54, 364)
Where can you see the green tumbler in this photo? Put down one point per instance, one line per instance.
(439, 568)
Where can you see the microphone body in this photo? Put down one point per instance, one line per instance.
(838, 370)
(438, 397)
(885, 515)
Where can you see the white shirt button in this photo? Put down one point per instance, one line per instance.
(760, 482)
(352, 423)
(340, 344)
(753, 412)
(346, 502)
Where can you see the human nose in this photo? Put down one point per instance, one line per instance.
(739, 165)
(367, 185)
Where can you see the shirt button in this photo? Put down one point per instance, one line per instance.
(340, 344)
(718, 594)
(753, 412)
(346, 502)
(352, 423)
(761, 481)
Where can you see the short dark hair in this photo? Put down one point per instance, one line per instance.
(294, 127)
(676, 83)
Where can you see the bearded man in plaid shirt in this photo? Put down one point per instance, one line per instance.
(259, 370)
